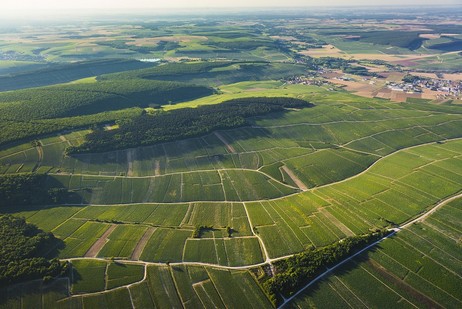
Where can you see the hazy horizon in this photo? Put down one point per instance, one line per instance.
(27, 11)
(14, 5)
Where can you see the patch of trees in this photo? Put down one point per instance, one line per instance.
(29, 189)
(183, 123)
(408, 78)
(357, 70)
(342, 64)
(17, 130)
(293, 273)
(23, 252)
(201, 229)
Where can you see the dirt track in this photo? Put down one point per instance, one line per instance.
(295, 179)
(142, 243)
(228, 146)
(130, 156)
(342, 227)
(99, 244)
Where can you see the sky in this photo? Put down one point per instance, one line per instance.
(16, 5)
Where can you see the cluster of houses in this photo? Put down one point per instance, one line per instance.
(448, 88)
(305, 80)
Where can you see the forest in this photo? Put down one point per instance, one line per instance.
(28, 190)
(84, 99)
(183, 123)
(23, 252)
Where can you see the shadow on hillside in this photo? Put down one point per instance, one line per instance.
(338, 274)
(188, 148)
(247, 72)
(57, 194)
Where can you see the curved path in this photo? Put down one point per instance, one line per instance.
(394, 231)
(268, 261)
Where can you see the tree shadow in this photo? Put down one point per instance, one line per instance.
(342, 270)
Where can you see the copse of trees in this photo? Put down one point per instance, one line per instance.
(23, 249)
(183, 123)
(17, 130)
(342, 64)
(408, 78)
(295, 272)
(27, 190)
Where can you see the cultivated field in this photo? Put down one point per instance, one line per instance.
(201, 221)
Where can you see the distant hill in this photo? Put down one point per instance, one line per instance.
(64, 73)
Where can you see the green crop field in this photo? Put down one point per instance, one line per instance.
(201, 162)
(417, 267)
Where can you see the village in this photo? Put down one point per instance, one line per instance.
(397, 86)
(415, 84)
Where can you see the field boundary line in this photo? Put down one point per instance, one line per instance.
(394, 231)
(127, 286)
(176, 173)
(294, 178)
(99, 244)
(139, 248)
(261, 200)
(387, 286)
(228, 146)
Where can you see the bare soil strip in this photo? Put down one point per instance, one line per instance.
(157, 168)
(130, 155)
(40, 157)
(342, 227)
(142, 243)
(295, 179)
(228, 146)
(401, 284)
(99, 244)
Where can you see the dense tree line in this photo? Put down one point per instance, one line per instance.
(29, 189)
(293, 273)
(23, 252)
(183, 123)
